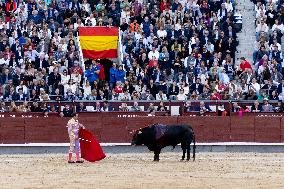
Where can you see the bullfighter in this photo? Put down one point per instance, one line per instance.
(73, 129)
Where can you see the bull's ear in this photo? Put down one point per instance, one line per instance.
(140, 132)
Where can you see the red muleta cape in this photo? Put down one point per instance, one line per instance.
(90, 147)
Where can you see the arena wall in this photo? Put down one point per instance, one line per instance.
(115, 127)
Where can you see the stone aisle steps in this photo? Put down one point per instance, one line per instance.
(247, 35)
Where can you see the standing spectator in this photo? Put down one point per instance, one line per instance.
(120, 74)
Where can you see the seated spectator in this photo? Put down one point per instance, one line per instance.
(181, 96)
(262, 95)
(235, 107)
(245, 108)
(151, 107)
(266, 107)
(119, 87)
(256, 107)
(250, 95)
(24, 107)
(125, 96)
(136, 107)
(13, 107)
(147, 95)
(97, 106)
(123, 107)
(220, 87)
(81, 96)
(188, 107)
(215, 95)
(35, 107)
(67, 111)
(222, 111)
(273, 96)
(43, 96)
(197, 86)
(151, 113)
(161, 96)
(81, 107)
(136, 96)
(22, 96)
(255, 86)
(3, 107)
(203, 107)
(279, 107)
(162, 107)
(173, 90)
(106, 107)
(57, 96)
(53, 109)
(113, 95)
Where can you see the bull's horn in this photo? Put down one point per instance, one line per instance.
(140, 132)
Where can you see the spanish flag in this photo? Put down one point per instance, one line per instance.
(98, 42)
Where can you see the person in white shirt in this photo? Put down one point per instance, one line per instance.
(79, 23)
(56, 38)
(153, 53)
(255, 86)
(181, 96)
(278, 26)
(161, 96)
(125, 96)
(162, 33)
(71, 86)
(5, 60)
(87, 88)
(93, 20)
(76, 77)
(229, 6)
(224, 77)
(262, 26)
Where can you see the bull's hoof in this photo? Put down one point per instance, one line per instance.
(181, 159)
(157, 160)
(187, 159)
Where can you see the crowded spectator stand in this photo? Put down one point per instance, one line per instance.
(170, 50)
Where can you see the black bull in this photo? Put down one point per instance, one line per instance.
(156, 137)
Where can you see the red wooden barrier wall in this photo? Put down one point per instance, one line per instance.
(116, 127)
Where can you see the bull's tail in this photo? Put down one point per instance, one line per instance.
(194, 147)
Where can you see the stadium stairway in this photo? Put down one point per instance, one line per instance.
(247, 35)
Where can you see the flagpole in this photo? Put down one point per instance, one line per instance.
(120, 54)
(81, 58)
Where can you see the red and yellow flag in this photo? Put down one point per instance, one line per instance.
(99, 42)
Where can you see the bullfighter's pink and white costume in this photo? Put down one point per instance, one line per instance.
(73, 131)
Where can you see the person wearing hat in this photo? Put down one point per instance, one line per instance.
(74, 126)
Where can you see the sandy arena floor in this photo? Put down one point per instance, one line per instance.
(136, 170)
